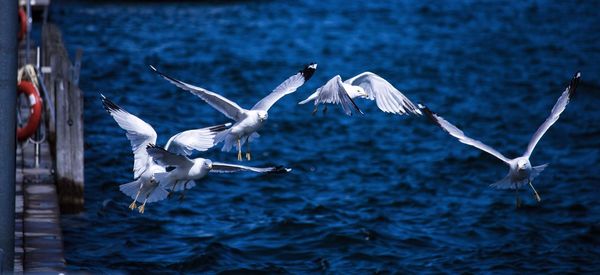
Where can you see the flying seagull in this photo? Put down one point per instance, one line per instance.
(521, 172)
(188, 170)
(365, 85)
(247, 122)
(145, 189)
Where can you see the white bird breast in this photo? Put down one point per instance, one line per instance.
(519, 175)
(248, 125)
(197, 171)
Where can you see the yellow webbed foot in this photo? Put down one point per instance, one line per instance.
(141, 208)
(132, 205)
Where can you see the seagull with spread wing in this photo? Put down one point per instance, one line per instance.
(188, 170)
(145, 189)
(365, 85)
(521, 172)
(247, 122)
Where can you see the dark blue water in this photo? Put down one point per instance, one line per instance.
(372, 193)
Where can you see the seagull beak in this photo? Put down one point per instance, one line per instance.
(210, 166)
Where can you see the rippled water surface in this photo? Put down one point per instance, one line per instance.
(372, 193)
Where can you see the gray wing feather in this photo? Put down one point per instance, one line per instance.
(558, 108)
(457, 133)
(289, 86)
(218, 167)
(185, 143)
(219, 102)
(139, 133)
(386, 96)
(333, 92)
(166, 158)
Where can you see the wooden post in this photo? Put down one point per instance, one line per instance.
(68, 123)
(8, 88)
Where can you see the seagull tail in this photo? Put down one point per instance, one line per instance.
(229, 141)
(221, 136)
(505, 183)
(158, 194)
(164, 181)
(131, 189)
(537, 170)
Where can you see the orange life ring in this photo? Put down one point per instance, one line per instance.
(35, 105)
(22, 23)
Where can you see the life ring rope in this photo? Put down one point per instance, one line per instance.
(35, 107)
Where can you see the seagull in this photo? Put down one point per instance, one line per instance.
(247, 122)
(521, 172)
(189, 170)
(365, 85)
(145, 189)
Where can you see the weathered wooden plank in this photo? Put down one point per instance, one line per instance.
(68, 124)
(37, 226)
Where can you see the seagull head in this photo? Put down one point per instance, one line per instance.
(523, 164)
(208, 164)
(262, 116)
(361, 92)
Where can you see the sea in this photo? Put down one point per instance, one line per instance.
(368, 194)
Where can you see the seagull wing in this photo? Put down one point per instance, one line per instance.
(185, 143)
(558, 108)
(333, 92)
(287, 87)
(386, 96)
(166, 158)
(218, 167)
(457, 133)
(139, 133)
(222, 104)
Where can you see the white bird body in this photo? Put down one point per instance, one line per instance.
(521, 171)
(197, 169)
(248, 122)
(145, 188)
(187, 170)
(251, 123)
(365, 85)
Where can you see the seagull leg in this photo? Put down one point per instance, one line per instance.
(325, 110)
(314, 112)
(239, 150)
(132, 205)
(537, 196)
(248, 156)
(172, 191)
(143, 206)
(182, 196)
(517, 196)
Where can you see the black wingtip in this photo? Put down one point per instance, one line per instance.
(354, 104)
(574, 83)
(308, 71)
(219, 128)
(280, 169)
(428, 113)
(109, 106)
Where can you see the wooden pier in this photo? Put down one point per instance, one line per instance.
(49, 167)
(38, 235)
